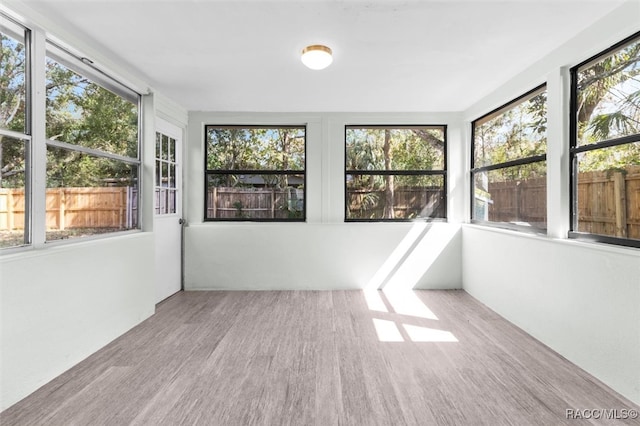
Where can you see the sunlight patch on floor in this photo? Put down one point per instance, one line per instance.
(407, 302)
(387, 331)
(374, 301)
(425, 334)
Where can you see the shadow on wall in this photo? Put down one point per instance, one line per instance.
(417, 253)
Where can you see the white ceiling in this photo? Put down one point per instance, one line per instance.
(389, 55)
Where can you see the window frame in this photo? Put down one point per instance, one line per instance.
(26, 136)
(221, 172)
(407, 172)
(38, 46)
(575, 149)
(530, 94)
(84, 67)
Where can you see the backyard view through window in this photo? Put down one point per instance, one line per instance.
(508, 171)
(395, 173)
(92, 152)
(605, 145)
(255, 173)
(14, 136)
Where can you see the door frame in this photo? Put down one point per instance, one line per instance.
(177, 132)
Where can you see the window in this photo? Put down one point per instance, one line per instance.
(395, 173)
(255, 173)
(92, 150)
(508, 164)
(166, 175)
(15, 139)
(605, 146)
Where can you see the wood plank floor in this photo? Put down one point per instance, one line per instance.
(320, 358)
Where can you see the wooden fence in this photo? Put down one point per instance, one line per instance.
(608, 202)
(408, 203)
(254, 203)
(72, 208)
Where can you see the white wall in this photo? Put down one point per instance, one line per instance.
(62, 303)
(303, 256)
(324, 252)
(580, 299)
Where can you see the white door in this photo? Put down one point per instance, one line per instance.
(167, 224)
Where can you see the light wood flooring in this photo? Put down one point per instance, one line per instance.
(316, 358)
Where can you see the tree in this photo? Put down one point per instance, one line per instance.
(12, 111)
(385, 150)
(609, 107)
(80, 112)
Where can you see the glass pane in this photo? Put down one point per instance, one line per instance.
(609, 96)
(515, 195)
(12, 196)
(386, 148)
(380, 197)
(519, 132)
(164, 174)
(172, 150)
(171, 202)
(608, 191)
(253, 148)
(88, 195)
(12, 77)
(247, 197)
(158, 145)
(82, 113)
(157, 200)
(165, 148)
(172, 176)
(158, 172)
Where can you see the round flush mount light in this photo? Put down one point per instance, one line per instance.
(316, 56)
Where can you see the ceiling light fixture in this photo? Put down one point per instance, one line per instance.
(316, 56)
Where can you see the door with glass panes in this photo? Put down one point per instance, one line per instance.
(168, 209)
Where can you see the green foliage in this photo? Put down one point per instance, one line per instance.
(519, 132)
(255, 148)
(12, 111)
(609, 108)
(80, 112)
(419, 148)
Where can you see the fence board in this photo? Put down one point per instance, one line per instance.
(601, 197)
(408, 203)
(71, 208)
(254, 203)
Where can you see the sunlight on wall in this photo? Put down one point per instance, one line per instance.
(421, 256)
(396, 256)
(413, 256)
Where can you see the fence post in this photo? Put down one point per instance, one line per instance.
(61, 208)
(517, 201)
(273, 204)
(215, 201)
(620, 202)
(10, 219)
(122, 211)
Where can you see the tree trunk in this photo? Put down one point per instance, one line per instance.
(389, 198)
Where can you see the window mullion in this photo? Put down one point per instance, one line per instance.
(38, 151)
